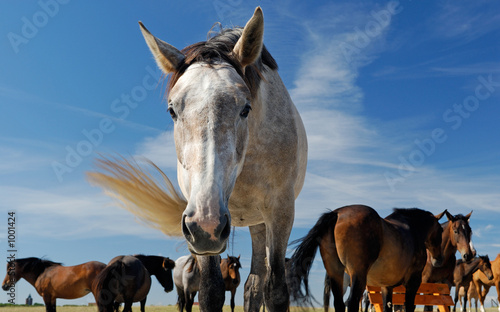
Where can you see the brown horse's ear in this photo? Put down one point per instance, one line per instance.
(228, 257)
(248, 48)
(467, 217)
(167, 56)
(449, 216)
(439, 216)
(239, 257)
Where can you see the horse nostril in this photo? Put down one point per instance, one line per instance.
(185, 230)
(226, 230)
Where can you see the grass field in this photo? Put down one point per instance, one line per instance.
(151, 309)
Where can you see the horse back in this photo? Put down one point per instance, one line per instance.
(68, 282)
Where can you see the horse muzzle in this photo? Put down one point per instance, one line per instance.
(206, 236)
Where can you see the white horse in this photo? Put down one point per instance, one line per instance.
(242, 154)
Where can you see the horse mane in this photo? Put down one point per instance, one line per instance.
(219, 48)
(415, 217)
(193, 262)
(36, 265)
(157, 204)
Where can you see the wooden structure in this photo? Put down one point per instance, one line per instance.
(428, 294)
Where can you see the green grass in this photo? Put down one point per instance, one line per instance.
(173, 308)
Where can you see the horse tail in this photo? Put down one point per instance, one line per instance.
(103, 295)
(326, 294)
(156, 202)
(304, 254)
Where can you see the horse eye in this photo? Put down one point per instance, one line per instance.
(245, 111)
(172, 112)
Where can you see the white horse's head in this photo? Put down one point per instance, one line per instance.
(210, 98)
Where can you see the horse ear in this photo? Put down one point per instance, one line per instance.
(467, 217)
(248, 48)
(439, 216)
(449, 216)
(167, 56)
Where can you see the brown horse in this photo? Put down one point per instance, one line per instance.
(187, 277)
(230, 268)
(380, 252)
(456, 236)
(462, 276)
(52, 280)
(481, 280)
(124, 279)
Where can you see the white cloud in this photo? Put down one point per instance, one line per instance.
(159, 149)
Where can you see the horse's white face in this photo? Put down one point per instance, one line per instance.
(209, 106)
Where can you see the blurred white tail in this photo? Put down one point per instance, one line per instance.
(157, 203)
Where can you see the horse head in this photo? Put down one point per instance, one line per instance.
(460, 235)
(234, 266)
(164, 275)
(485, 266)
(209, 99)
(12, 276)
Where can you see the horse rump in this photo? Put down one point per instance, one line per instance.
(303, 258)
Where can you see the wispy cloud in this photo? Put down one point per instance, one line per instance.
(464, 21)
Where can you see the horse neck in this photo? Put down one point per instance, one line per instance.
(151, 263)
(472, 266)
(31, 277)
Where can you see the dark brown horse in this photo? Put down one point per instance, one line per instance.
(462, 276)
(374, 251)
(161, 268)
(482, 281)
(52, 280)
(456, 236)
(125, 279)
(187, 273)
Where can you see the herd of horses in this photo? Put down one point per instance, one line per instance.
(241, 161)
(125, 279)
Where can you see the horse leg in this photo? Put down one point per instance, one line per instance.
(254, 284)
(358, 284)
(143, 304)
(211, 294)
(50, 304)
(326, 294)
(181, 299)
(497, 285)
(457, 290)
(127, 307)
(464, 309)
(387, 298)
(189, 301)
(411, 291)
(482, 295)
(233, 293)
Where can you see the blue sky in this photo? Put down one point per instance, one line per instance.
(400, 101)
